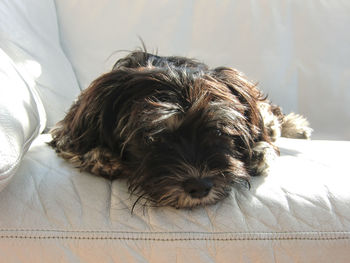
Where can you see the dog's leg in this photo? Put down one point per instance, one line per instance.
(295, 126)
(277, 124)
(272, 118)
(99, 161)
(263, 154)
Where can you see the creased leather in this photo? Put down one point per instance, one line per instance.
(300, 212)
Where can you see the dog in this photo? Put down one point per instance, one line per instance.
(182, 134)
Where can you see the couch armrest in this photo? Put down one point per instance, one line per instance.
(20, 121)
(30, 37)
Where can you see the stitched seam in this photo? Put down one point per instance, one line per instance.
(173, 239)
(152, 236)
(164, 232)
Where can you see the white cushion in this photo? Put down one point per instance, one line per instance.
(20, 120)
(36, 80)
(29, 35)
(299, 213)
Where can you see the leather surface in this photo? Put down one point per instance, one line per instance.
(29, 35)
(300, 212)
(50, 212)
(37, 83)
(19, 119)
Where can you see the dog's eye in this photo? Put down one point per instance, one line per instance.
(148, 139)
(217, 132)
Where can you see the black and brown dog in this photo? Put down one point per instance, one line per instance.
(181, 133)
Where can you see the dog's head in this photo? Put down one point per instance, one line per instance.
(182, 131)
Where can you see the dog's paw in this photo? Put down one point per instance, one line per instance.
(102, 162)
(296, 126)
(263, 156)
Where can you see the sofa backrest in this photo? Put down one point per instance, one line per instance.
(298, 51)
(37, 82)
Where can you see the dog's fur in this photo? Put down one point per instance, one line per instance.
(181, 133)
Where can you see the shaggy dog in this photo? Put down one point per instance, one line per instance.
(182, 134)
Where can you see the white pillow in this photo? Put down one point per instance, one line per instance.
(37, 83)
(29, 35)
(19, 118)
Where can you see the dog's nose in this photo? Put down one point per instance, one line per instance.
(198, 188)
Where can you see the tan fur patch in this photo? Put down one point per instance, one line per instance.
(271, 121)
(265, 155)
(99, 161)
(296, 126)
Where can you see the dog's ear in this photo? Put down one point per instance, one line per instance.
(104, 113)
(90, 120)
(247, 93)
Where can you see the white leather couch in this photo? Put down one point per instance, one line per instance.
(299, 51)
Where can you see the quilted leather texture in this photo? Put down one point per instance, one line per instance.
(299, 213)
